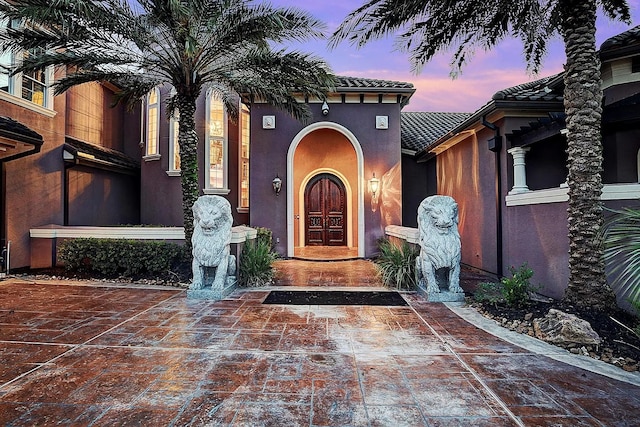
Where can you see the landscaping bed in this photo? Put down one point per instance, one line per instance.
(179, 277)
(619, 346)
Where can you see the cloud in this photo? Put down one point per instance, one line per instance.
(439, 92)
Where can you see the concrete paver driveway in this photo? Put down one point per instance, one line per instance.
(95, 355)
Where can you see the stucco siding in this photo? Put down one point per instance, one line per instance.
(33, 184)
(537, 235)
(381, 152)
(466, 172)
(102, 198)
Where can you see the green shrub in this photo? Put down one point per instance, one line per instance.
(489, 292)
(256, 262)
(265, 235)
(120, 257)
(397, 264)
(514, 290)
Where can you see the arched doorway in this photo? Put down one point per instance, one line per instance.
(325, 211)
(325, 147)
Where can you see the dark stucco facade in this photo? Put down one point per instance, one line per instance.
(380, 155)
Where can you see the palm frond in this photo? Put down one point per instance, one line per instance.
(621, 238)
(424, 28)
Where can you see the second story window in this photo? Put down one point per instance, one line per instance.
(153, 124)
(34, 83)
(33, 86)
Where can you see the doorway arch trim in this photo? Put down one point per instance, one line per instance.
(290, 171)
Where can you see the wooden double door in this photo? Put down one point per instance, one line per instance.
(325, 211)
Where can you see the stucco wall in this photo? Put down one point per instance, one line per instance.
(91, 117)
(99, 197)
(381, 152)
(537, 235)
(33, 184)
(466, 172)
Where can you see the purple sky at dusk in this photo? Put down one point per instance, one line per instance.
(485, 74)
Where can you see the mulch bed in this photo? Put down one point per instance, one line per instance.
(180, 277)
(619, 347)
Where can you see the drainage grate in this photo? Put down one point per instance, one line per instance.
(335, 298)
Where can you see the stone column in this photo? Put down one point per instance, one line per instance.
(519, 170)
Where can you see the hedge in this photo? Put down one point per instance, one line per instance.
(120, 257)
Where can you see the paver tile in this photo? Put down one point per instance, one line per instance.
(100, 356)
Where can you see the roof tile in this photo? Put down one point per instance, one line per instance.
(420, 129)
(363, 83)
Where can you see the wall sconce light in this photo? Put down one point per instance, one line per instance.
(325, 108)
(277, 185)
(374, 189)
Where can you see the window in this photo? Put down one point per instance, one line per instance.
(216, 146)
(174, 146)
(153, 124)
(635, 64)
(34, 83)
(33, 86)
(244, 156)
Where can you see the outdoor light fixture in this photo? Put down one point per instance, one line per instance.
(277, 184)
(325, 108)
(374, 189)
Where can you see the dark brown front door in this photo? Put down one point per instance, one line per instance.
(325, 207)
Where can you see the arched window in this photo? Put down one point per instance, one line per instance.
(153, 123)
(216, 147)
(245, 137)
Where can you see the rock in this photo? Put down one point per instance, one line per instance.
(528, 316)
(562, 328)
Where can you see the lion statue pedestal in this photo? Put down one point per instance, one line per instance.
(213, 266)
(438, 265)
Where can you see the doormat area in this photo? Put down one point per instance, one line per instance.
(335, 298)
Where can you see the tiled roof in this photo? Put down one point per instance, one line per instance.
(15, 130)
(419, 130)
(622, 39)
(103, 155)
(343, 82)
(546, 89)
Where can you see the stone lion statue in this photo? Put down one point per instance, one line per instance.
(212, 221)
(439, 244)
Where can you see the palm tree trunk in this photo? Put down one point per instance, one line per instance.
(583, 105)
(188, 140)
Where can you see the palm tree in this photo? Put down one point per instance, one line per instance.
(224, 45)
(427, 27)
